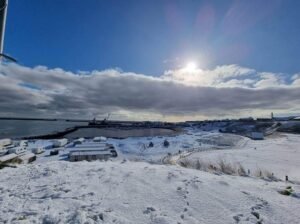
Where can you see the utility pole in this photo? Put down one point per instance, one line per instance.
(3, 12)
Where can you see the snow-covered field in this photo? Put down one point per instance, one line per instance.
(138, 192)
(128, 189)
(279, 154)
(138, 148)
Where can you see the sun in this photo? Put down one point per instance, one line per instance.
(191, 66)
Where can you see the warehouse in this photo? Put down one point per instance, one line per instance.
(90, 155)
(91, 150)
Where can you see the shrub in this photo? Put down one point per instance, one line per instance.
(287, 191)
(198, 165)
(185, 163)
(258, 173)
(241, 171)
(226, 168)
(265, 174)
(221, 167)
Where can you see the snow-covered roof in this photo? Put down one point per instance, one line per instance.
(40, 143)
(27, 156)
(101, 138)
(90, 144)
(81, 153)
(89, 149)
(5, 141)
(8, 157)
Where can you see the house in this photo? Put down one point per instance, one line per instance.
(27, 157)
(100, 139)
(39, 146)
(37, 150)
(23, 143)
(5, 142)
(8, 158)
(44, 144)
(78, 141)
(60, 142)
(17, 150)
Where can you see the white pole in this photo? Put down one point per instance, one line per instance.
(3, 12)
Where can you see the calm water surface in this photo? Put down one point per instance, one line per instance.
(20, 128)
(120, 133)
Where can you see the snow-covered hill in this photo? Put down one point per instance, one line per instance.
(278, 154)
(138, 192)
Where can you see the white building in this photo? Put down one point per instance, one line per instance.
(37, 150)
(89, 155)
(92, 150)
(27, 157)
(100, 139)
(79, 141)
(5, 142)
(43, 144)
(60, 142)
(17, 150)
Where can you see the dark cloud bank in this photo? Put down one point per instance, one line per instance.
(43, 92)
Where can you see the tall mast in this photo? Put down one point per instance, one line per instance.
(3, 12)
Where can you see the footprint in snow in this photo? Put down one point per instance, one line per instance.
(171, 175)
(149, 210)
(254, 213)
(224, 183)
(238, 217)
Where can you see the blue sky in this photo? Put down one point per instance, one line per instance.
(150, 37)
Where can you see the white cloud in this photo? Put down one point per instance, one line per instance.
(226, 91)
(268, 80)
(296, 80)
(215, 77)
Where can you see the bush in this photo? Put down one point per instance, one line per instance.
(221, 167)
(287, 191)
(241, 170)
(186, 163)
(265, 174)
(198, 165)
(226, 168)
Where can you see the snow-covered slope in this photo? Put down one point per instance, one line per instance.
(279, 154)
(137, 148)
(137, 192)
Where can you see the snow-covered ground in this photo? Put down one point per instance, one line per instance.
(279, 154)
(138, 192)
(128, 189)
(138, 148)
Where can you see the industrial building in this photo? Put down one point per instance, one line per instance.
(90, 155)
(97, 149)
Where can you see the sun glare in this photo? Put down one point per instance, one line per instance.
(191, 66)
